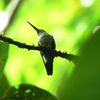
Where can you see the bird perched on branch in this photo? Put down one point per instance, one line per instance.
(46, 40)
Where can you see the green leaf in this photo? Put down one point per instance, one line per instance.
(4, 47)
(84, 84)
(28, 92)
(3, 85)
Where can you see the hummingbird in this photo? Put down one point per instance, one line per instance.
(46, 40)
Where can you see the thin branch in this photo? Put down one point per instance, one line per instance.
(39, 48)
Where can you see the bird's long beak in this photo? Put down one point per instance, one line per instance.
(34, 27)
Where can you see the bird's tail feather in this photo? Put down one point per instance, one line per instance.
(48, 62)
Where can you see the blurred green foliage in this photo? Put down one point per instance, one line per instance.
(84, 84)
(70, 22)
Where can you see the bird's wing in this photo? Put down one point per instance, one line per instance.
(48, 62)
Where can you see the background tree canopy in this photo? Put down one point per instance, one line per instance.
(71, 23)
